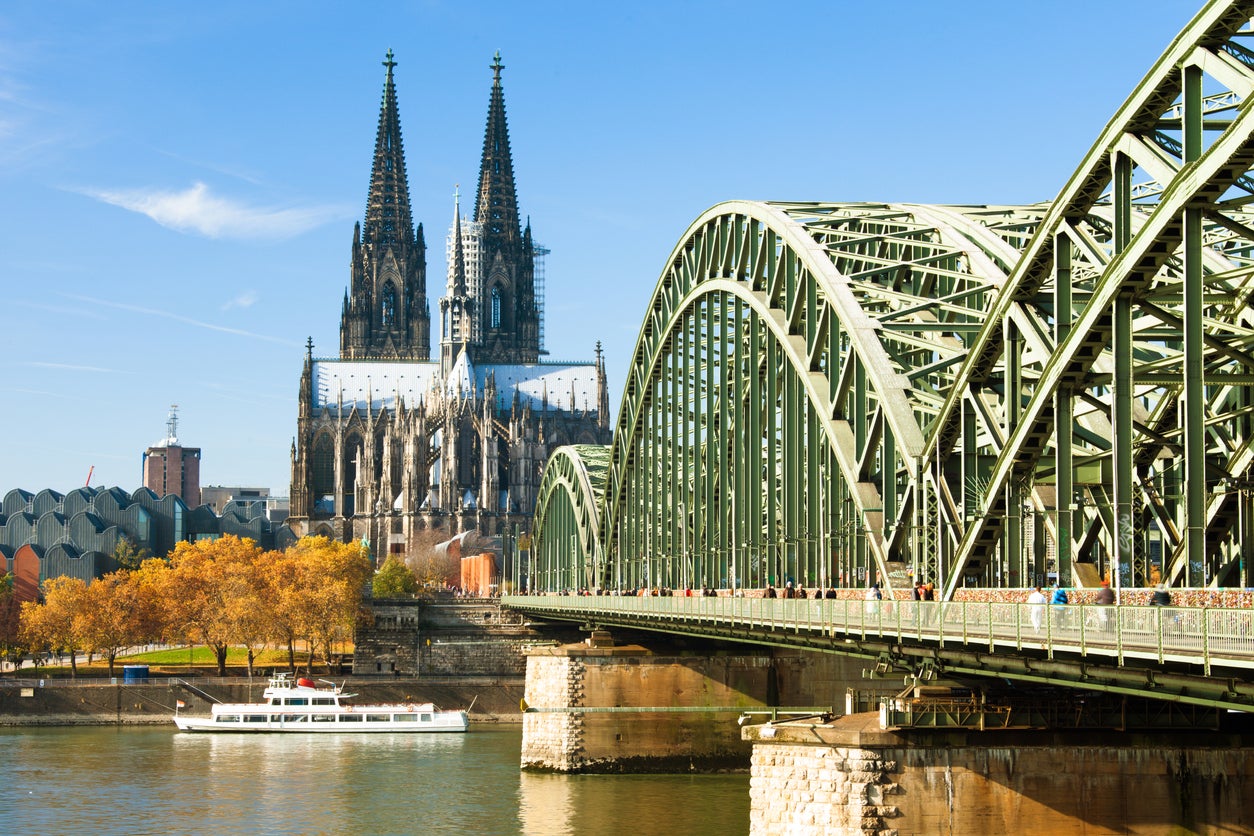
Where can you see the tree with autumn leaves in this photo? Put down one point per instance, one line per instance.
(222, 593)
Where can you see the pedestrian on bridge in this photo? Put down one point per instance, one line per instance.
(1105, 597)
(1036, 600)
(1059, 601)
(873, 597)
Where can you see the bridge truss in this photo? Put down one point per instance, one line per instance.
(964, 395)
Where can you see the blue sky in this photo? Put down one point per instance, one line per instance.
(179, 181)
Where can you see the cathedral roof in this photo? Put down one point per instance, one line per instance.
(379, 382)
(559, 381)
(375, 381)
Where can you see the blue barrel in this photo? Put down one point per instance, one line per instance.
(132, 674)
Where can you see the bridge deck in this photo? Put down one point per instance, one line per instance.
(1202, 656)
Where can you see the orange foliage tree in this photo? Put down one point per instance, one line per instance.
(208, 589)
(221, 593)
(113, 615)
(51, 624)
(322, 591)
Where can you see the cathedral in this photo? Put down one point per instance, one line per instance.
(391, 443)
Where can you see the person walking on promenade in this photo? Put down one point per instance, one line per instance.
(1161, 597)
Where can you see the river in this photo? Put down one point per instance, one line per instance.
(148, 780)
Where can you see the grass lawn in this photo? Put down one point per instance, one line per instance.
(197, 660)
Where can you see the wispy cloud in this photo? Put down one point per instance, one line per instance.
(186, 320)
(244, 300)
(61, 310)
(68, 396)
(199, 211)
(71, 367)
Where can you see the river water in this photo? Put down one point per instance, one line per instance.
(148, 780)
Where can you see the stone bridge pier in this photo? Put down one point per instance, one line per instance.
(851, 777)
(669, 707)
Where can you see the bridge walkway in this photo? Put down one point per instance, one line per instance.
(1192, 655)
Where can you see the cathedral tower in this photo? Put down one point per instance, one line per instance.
(403, 450)
(508, 320)
(385, 314)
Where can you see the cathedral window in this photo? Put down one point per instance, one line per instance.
(389, 304)
(496, 307)
(322, 474)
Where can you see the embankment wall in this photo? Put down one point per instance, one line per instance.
(58, 703)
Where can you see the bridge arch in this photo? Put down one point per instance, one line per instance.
(828, 393)
(777, 405)
(566, 549)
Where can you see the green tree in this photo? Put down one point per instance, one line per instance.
(128, 554)
(394, 580)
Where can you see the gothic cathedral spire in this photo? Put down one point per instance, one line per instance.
(386, 316)
(457, 309)
(509, 329)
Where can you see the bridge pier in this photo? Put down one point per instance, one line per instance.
(601, 707)
(852, 777)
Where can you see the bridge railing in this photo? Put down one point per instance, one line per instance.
(1223, 637)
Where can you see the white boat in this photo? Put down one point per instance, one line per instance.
(299, 705)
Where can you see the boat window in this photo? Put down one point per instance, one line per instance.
(275, 701)
(297, 701)
(256, 718)
(405, 718)
(426, 718)
(377, 718)
(295, 718)
(323, 718)
(350, 718)
(227, 718)
(324, 700)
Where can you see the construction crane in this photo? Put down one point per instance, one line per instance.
(90, 471)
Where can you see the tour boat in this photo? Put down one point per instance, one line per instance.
(300, 705)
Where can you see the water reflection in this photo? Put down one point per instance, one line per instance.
(632, 805)
(313, 783)
(546, 805)
(156, 781)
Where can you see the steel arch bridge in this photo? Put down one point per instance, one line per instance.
(963, 395)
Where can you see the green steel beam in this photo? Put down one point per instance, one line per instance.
(830, 392)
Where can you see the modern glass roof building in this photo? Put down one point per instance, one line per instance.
(49, 534)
